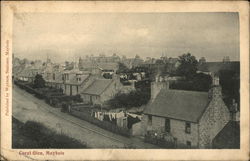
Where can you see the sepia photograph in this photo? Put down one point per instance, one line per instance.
(134, 80)
(146, 80)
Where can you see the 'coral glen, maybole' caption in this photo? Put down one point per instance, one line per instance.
(41, 153)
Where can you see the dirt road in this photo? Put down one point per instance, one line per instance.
(27, 107)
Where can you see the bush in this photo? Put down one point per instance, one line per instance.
(39, 82)
(199, 82)
(38, 136)
(230, 84)
(133, 99)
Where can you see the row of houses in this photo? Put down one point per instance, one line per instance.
(89, 84)
(192, 119)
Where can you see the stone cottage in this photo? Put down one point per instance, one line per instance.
(72, 82)
(53, 76)
(101, 90)
(28, 74)
(191, 118)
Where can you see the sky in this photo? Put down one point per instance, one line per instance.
(67, 36)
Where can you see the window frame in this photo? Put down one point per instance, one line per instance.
(189, 144)
(188, 127)
(150, 119)
(175, 142)
(167, 128)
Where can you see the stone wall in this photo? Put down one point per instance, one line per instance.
(214, 118)
(74, 90)
(158, 123)
(144, 122)
(137, 129)
(177, 130)
(88, 98)
(67, 89)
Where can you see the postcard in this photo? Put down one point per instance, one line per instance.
(125, 80)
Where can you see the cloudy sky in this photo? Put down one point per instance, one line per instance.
(65, 36)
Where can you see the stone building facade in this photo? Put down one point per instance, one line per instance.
(214, 118)
(177, 130)
(191, 118)
(101, 90)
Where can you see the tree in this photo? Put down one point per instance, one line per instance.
(159, 61)
(230, 84)
(202, 82)
(122, 68)
(188, 66)
(39, 82)
(133, 99)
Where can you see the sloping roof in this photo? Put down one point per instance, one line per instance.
(228, 137)
(29, 72)
(18, 69)
(98, 86)
(102, 65)
(108, 66)
(75, 82)
(215, 67)
(178, 104)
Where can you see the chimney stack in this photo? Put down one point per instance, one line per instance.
(215, 90)
(157, 86)
(234, 111)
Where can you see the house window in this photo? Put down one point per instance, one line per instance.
(188, 127)
(175, 142)
(62, 77)
(54, 76)
(167, 125)
(150, 119)
(188, 144)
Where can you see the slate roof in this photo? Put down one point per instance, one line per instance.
(102, 65)
(215, 67)
(75, 82)
(228, 137)
(29, 72)
(179, 104)
(18, 69)
(108, 66)
(98, 86)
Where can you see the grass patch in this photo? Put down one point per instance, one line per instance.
(34, 135)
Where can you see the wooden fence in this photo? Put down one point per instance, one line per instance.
(103, 124)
